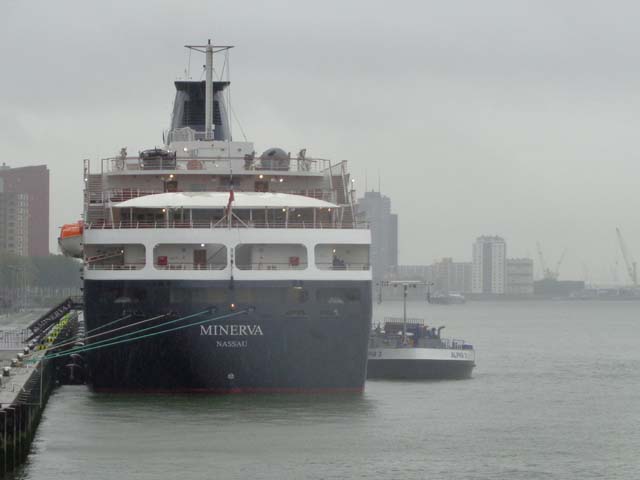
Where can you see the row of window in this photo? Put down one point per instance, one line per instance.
(213, 256)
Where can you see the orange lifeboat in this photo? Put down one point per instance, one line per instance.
(70, 239)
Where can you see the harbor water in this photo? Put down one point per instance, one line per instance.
(555, 394)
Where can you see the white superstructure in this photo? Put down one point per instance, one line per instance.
(206, 207)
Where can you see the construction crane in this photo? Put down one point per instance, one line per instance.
(628, 259)
(556, 272)
(543, 265)
(547, 273)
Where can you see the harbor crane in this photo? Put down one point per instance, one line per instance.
(547, 273)
(628, 259)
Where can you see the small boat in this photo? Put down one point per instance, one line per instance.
(70, 239)
(446, 298)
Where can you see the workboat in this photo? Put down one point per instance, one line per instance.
(211, 268)
(446, 298)
(413, 350)
(405, 348)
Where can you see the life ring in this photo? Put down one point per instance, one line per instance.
(194, 165)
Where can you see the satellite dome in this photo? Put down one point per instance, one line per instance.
(274, 159)
(277, 154)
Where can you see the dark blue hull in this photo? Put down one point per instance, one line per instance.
(298, 338)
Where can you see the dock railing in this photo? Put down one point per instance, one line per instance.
(13, 339)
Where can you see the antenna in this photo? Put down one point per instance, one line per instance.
(208, 50)
(208, 92)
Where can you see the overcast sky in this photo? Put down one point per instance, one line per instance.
(508, 117)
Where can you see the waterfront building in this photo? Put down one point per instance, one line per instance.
(450, 276)
(24, 210)
(422, 273)
(489, 265)
(375, 209)
(552, 288)
(519, 276)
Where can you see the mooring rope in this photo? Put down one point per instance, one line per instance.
(101, 344)
(74, 350)
(107, 324)
(75, 339)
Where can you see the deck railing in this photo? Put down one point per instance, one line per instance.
(112, 266)
(190, 266)
(218, 224)
(271, 266)
(123, 194)
(215, 164)
(343, 266)
(219, 266)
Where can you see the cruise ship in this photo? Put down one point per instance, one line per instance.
(209, 267)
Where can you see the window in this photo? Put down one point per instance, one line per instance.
(191, 256)
(342, 257)
(271, 256)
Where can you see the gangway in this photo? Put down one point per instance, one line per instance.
(54, 315)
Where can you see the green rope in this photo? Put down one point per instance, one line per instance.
(104, 345)
(78, 349)
(136, 332)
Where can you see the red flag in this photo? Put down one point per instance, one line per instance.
(231, 198)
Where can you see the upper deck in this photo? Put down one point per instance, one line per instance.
(191, 166)
(214, 166)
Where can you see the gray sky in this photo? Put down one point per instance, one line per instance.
(506, 117)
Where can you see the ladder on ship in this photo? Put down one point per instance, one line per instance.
(340, 183)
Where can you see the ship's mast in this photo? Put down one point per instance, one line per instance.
(209, 50)
(208, 92)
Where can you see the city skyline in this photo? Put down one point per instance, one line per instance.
(489, 127)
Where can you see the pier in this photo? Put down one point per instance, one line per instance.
(27, 378)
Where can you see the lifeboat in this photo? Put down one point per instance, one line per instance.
(70, 239)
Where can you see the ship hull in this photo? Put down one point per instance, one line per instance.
(420, 363)
(293, 339)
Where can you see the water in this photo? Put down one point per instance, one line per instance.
(556, 394)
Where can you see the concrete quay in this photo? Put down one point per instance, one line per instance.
(26, 381)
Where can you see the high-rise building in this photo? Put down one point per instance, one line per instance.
(489, 265)
(519, 276)
(24, 210)
(375, 208)
(450, 276)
